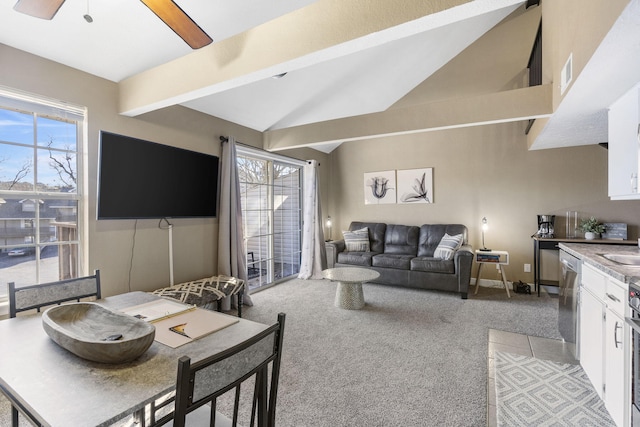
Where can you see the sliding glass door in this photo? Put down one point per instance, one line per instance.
(271, 194)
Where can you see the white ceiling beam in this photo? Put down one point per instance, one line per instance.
(500, 107)
(324, 30)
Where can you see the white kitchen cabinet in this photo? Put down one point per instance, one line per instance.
(614, 366)
(605, 340)
(624, 127)
(591, 338)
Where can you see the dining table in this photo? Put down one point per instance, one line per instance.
(54, 387)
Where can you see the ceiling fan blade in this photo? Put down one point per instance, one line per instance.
(179, 21)
(44, 9)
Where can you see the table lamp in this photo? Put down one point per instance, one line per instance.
(485, 227)
(329, 226)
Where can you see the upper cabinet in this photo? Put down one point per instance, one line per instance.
(624, 146)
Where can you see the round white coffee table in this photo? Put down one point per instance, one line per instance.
(350, 279)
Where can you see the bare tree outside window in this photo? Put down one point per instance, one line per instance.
(64, 165)
(20, 174)
(252, 171)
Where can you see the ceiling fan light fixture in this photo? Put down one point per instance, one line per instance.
(185, 27)
(87, 17)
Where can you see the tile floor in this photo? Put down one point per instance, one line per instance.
(541, 348)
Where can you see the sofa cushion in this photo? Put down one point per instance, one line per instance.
(448, 245)
(376, 233)
(356, 258)
(431, 235)
(397, 261)
(401, 239)
(357, 240)
(432, 265)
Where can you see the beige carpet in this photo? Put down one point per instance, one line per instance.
(409, 358)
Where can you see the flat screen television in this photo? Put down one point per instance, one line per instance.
(142, 179)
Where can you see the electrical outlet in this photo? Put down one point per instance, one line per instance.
(527, 268)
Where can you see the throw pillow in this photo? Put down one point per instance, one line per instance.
(357, 240)
(447, 246)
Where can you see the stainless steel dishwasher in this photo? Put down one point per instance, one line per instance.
(570, 272)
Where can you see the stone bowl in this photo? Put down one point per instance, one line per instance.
(96, 333)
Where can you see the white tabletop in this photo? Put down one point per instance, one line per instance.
(62, 389)
(350, 274)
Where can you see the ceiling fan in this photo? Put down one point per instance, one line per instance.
(167, 10)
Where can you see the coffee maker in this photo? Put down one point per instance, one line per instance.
(545, 226)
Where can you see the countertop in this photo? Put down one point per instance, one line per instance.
(592, 254)
(583, 240)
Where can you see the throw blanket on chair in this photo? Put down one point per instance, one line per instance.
(204, 291)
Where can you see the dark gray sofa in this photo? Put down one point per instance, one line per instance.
(404, 256)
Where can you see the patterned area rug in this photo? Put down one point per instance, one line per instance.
(536, 392)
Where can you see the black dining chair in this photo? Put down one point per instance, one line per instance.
(255, 361)
(35, 297)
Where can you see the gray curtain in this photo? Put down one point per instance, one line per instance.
(314, 258)
(232, 259)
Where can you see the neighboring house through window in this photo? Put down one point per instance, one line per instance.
(41, 190)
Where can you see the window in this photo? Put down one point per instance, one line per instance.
(41, 193)
(271, 196)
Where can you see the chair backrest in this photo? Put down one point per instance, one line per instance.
(204, 381)
(38, 296)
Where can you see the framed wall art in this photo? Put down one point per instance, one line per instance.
(415, 186)
(379, 187)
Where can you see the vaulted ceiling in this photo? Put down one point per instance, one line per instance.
(340, 59)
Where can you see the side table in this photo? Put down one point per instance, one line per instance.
(349, 293)
(501, 258)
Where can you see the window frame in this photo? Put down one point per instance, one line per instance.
(50, 109)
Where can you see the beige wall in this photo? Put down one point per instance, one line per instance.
(574, 27)
(480, 171)
(145, 265)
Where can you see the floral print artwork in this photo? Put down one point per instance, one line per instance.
(415, 185)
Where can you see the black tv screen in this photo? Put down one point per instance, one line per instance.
(143, 179)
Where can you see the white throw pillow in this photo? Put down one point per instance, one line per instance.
(357, 240)
(447, 246)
